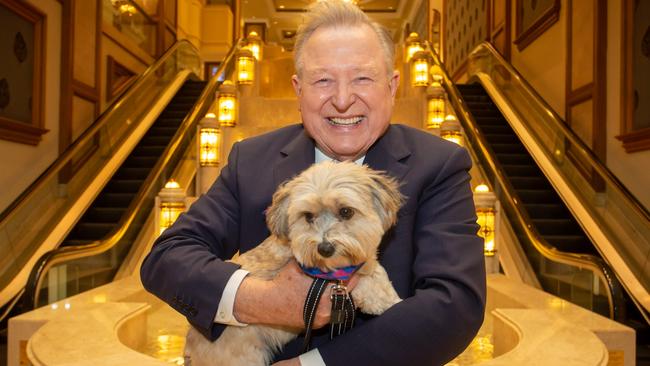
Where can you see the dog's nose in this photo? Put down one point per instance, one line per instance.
(326, 249)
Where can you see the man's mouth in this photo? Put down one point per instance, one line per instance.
(338, 121)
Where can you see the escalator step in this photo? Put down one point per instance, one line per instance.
(131, 173)
(530, 183)
(179, 115)
(557, 227)
(491, 121)
(123, 185)
(515, 159)
(162, 131)
(91, 230)
(503, 139)
(570, 243)
(168, 122)
(104, 214)
(537, 196)
(521, 170)
(140, 162)
(114, 199)
(149, 150)
(547, 210)
(481, 113)
(508, 148)
(496, 129)
(156, 140)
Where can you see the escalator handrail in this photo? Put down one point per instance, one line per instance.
(71, 151)
(68, 253)
(575, 141)
(582, 261)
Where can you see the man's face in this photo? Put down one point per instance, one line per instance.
(345, 94)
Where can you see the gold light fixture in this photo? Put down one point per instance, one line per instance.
(435, 106)
(450, 131)
(254, 44)
(209, 141)
(245, 67)
(171, 203)
(485, 202)
(420, 69)
(227, 104)
(413, 45)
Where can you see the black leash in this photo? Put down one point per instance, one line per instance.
(342, 318)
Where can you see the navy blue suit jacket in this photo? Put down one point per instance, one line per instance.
(433, 256)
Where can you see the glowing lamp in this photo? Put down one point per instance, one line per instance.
(420, 69)
(209, 141)
(450, 131)
(227, 104)
(435, 106)
(245, 67)
(413, 45)
(171, 203)
(254, 44)
(485, 202)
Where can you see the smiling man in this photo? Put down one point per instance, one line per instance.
(346, 88)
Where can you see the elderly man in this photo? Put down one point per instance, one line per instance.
(346, 87)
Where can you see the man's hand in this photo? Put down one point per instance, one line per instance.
(280, 301)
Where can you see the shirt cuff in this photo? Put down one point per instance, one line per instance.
(311, 358)
(227, 303)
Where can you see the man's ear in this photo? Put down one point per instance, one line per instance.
(394, 83)
(295, 81)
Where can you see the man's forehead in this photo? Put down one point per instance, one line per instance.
(354, 68)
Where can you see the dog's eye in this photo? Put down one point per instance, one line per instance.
(309, 217)
(346, 213)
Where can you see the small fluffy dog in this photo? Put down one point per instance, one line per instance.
(330, 216)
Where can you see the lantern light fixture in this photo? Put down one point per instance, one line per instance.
(245, 67)
(209, 141)
(435, 106)
(413, 45)
(485, 202)
(254, 44)
(420, 69)
(227, 104)
(170, 203)
(450, 130)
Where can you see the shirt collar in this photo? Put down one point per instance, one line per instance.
(321, 157)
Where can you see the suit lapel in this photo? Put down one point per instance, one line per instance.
(389, 154)
(296, 156)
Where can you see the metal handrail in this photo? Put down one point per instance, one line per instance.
(68, 253)
(71, 151)
(512, 203)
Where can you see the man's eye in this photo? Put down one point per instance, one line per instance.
(322, 81)
(364, 79)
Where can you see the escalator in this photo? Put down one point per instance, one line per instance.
(104, 214)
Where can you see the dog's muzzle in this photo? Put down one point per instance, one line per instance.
(326, 249)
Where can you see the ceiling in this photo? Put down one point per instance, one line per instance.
(281, 18)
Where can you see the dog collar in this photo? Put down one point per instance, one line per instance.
(339, 274)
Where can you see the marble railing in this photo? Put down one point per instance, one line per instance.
(121, 324)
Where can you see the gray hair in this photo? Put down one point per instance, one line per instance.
(331, 13)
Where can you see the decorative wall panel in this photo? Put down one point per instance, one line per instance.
(465, 27)
(21, 72)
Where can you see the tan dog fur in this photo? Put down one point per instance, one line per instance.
(322, 190)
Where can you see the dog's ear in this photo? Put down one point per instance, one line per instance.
(276, 215)
(386, 197)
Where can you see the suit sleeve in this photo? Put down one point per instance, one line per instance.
(447, 307)
(186, 266)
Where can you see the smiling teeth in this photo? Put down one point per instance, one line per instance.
(345, 121)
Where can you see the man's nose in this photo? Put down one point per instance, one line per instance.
(343, 97)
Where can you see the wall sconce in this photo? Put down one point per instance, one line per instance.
(413, 45)
(435, 106)
(245, 67)
(254, 44)
(420, 69)
(485, 202)
(170, 203)
(227, 104)
(209, 141)
(450, 131)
